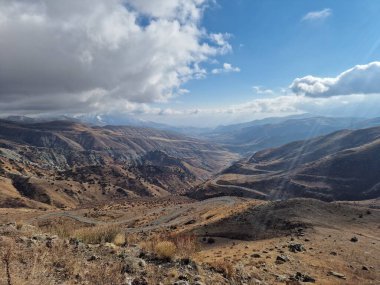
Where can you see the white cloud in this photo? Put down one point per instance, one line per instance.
(227, 68)
(351, 105)
(361, 79)
(99, 55)
(317, 15)
(262, 91)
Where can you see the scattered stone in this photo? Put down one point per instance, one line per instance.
(183, 277)
(281, 278)
(133, 265)
(92, 258)
(333, 253)
(354, 239)
(140, 281)
(280, 259)
(303, 277)
(337, 274)
(296, 247)
(256, 255)
(365, 268)
(306, 239)
(181, 282)
(190, 222)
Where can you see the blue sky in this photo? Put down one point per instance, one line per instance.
(272, 45)
(190, 62)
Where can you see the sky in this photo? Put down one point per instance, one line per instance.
(190, 62)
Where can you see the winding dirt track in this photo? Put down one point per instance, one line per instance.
(174, 215)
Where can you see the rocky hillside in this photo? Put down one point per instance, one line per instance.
(340, 166)
(250, 137)
(63, 163)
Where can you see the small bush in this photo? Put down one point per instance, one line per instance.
(119, 239)
(98, 234)
(224, 267)
(187, 245)
(165, 249)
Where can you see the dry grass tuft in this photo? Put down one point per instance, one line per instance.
(165, 249)
(186, 245)
(170, 246)
(98, 234)
(224, 267)
(119, 239)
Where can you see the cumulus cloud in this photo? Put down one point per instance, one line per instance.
(262, 91)
(227, 68)
(361, 79)
(317, 15)
(78, 56)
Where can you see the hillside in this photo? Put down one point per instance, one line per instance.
(339, 166)
(64, 163)
(250, 137)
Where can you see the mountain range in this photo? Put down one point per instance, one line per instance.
(64, 163)
(343, 165)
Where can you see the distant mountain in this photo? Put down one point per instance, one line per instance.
(112, 120)
(250, 137)
(343, 165)
(65, 163)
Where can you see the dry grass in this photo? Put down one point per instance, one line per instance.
(99, 234)
(171, 246)
(165, 250)
(59, 264)
(224, 267)
(119, 239)
(187, 245)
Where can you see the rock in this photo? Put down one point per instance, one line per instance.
(199, 283)
(190, 222)
(354, 239)
(365, 268)
(39, 237)
(333, 253)
(181, 282)
(303, 277)
(110, 245)
(281, 278)
(92, 258)
(183, 277)
(296, 247)
(337, 274)
(280, 259)
(256, 255)
(197, 278)
(139, 281)
(133, 265)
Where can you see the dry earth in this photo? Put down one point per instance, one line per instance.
(229, 240)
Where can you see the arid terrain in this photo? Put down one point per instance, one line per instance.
(225, 240)
(343, 165)
(129, 205)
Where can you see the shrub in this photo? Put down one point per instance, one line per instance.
(96, 235)
(187, 245)
(119, 239)
(224, 267)
(165, 249)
